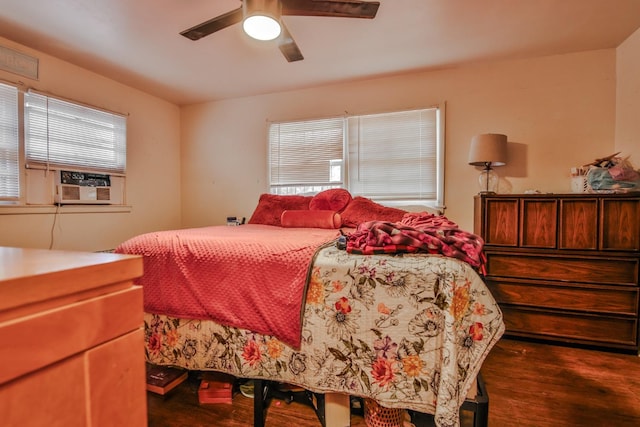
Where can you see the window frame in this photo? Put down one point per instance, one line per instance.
(311, 181)
(438, 171)
(10, 153)
(37, 182)
(81, 135)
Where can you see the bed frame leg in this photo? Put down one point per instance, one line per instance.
(337, 409)
(332, 409)
(260, 393)
(479, 405)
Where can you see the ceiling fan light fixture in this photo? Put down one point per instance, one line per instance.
(262, 19)
(269, 24)
(261, 27)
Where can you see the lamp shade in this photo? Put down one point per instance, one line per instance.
(261, 19)
(488, 149)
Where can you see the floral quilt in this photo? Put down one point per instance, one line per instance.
(408, 330)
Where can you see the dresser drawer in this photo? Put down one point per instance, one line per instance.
(564, 267)
(567, 296)
(613, 331)
(622, 271)
(104, 318)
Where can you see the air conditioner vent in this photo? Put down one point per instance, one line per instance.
(78, 194)
(70, 192)
(103, 193)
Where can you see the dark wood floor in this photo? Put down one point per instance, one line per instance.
(529, 384)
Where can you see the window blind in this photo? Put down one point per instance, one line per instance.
(394, 155)
(63, 134)
(9, 149)
(303, 155)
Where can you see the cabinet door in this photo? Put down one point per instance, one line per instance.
(620, 224)
(539, 223)
(116, 381)
(578, 223)
(501, 222)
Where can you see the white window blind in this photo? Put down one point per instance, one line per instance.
(306, 156)
(63, 134)
(394, 156)
(9, 151)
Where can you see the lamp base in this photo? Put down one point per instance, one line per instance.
(488, 181)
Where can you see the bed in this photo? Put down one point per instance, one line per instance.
(332, 310)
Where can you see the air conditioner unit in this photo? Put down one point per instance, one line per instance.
(83, 188)
(77, 194)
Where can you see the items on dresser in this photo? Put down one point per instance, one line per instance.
(564, 267)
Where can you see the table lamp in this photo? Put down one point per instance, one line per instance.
(488, 150)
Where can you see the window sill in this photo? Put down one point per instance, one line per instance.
(52, 209)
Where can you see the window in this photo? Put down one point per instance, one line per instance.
(58, 134)
(306, 156)
(397, 156)
(61, 134)
(9, 148)
(394, 156)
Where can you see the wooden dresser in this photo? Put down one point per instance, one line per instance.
(72, 347)
(564, 267)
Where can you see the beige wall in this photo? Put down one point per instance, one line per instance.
(628, 99)
(557, 111)
(153, 164)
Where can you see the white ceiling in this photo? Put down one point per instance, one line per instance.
(137, 42)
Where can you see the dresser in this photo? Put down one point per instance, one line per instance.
(564, 267)
(72, 344)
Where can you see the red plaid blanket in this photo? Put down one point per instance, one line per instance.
(418, 232)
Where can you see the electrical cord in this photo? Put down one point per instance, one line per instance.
(53, 226)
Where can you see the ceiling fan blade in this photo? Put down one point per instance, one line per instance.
(345, 9)
(288, 46)
(213, 25)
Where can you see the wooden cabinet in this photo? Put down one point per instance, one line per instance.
(564, 267)
(71, 328)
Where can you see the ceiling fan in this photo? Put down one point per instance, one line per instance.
(270, 11)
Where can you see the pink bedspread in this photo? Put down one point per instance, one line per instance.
(251, 277)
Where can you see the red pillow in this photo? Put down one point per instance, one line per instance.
(335, 199)
(271, 206)
(311, 219)
(362, 209)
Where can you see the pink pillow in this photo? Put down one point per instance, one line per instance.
(362, 209)
(335, 199)
(311, 219)
(271, 206)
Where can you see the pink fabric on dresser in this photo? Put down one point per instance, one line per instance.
(251, 276)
